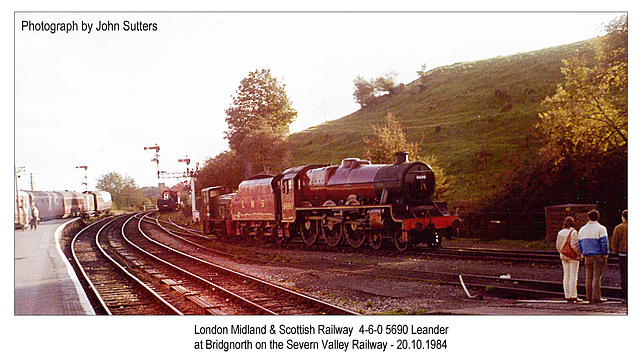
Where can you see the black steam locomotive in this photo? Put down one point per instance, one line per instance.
(356, 202)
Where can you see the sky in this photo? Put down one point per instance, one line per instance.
(97, 98)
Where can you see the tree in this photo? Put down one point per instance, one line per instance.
(265, 151)
(124, 190)
(366, 92)
(583, 133)
(389, 139)
(443, 181)
(225, 170)
(585, 124)
(260, 103)
(423, 70)
(386, 83)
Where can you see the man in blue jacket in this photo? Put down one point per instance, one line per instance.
(594, 245)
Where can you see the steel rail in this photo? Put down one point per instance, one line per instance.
(121, 268)
(102, 303)
(132, 276)
(248, 277)
(186, 272)
(495, 282)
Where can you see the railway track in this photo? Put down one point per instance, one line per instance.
(527, 256)
(129, 272)
(419, 251)
(116, 290)
(499, 285)
(255, 295)
(513, 255)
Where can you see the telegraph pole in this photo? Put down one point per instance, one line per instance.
(16, 171)
(31, 180)
(86, 186)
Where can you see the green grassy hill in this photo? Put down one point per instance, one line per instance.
(476, 118)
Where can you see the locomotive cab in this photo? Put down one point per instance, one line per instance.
(215, 209)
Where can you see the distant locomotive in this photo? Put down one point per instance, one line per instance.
(169, 201)
(356, 202)
(56, 205)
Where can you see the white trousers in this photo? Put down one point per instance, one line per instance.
(570, 280)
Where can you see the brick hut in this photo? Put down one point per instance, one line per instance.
(554, 217)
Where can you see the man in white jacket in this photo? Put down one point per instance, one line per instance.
(594, 245)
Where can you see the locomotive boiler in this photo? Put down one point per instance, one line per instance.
(355, 202)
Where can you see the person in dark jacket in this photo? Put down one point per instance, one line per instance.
(594, 245)
(619, 246)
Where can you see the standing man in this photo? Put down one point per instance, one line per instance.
(35, 216)
(619, 246)
(594, 245)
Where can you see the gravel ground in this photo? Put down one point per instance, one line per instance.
(379, 295)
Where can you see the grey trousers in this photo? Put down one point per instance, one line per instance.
(595, 267)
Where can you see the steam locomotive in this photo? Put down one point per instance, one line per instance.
(355, 202)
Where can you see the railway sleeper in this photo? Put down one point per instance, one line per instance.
(153, 272)
(215, 311)
(120, 304)
(170, 282)
(206, 306)
(138, 263)
(184, 291)
(284, 308)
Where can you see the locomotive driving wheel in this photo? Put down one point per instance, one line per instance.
(400, 244)
(375, 239)
(355, 234)
(332, 232)
(309, 231)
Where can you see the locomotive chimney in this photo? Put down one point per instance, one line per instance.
(402, 157)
